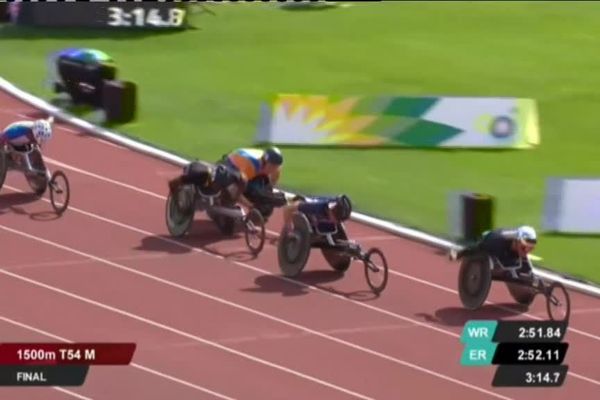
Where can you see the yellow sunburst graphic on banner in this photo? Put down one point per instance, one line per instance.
(335, 118)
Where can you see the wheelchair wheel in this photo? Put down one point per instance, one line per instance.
(225, 224)
(3, 167)
(293, 248)
(37, 182)
(254, 231)
(376, 270)
(474, 282)
(60, 192)
(521, 294)
(180, 216)
(558, 302)
(338, 260)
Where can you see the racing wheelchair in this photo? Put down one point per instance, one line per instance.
(220, 208)
(28, 160)
(479, 270)
(295, 245)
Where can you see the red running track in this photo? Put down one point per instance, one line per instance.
(211, 322)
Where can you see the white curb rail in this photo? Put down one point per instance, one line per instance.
(163, 155)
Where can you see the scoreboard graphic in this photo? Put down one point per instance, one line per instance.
(527, 353)
(57, 364)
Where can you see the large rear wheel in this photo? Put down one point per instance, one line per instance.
(37, 179)
(37, 183)
(293, 248)
(225, 224)
(3, 167)
(474, 281)
(337, 259)
(180, 212)
(254, 231)
(520, 293)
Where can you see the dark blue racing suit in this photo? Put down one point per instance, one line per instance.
(498, 245)
(317, 208)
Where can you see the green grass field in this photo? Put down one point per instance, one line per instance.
(201, 90)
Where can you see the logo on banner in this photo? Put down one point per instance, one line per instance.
(502, 127)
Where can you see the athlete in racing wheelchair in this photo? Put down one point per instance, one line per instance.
(503, 255)
(21, 149)
(215, 189)
(261, 170)
(318, 222)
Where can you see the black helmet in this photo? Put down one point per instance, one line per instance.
(273, 156)
(342, 208)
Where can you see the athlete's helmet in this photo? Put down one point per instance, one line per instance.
(342, 208)
(42, 130)
(526, 234)
(273, 156)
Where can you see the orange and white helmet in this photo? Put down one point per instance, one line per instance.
(42, 130)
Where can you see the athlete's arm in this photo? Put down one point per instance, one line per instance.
(245, 202)
(29, 135)
(288, 212)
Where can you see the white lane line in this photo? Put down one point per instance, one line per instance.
(283, 278)
(80, 262)
(276, 234)
(108, 180)
(285, 336)
(250, 267)
(585, 311)
(186, 335)
(375, 238)
(250, 311)
(135, 365)
(70, 393)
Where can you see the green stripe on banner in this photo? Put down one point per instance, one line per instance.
(410, 106)
(372, 105)
(388, 127)
(425, 134)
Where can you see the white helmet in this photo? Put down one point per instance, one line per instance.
(526, 234)
(42, 130)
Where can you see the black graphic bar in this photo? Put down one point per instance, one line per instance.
(43, 375)
(530, 375)
(530, 331)
(530, 353)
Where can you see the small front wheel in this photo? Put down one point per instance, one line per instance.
(60, 192)
(558, 302)
(376, 270)
(254, 231)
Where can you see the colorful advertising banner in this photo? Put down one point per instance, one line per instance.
(452, 122)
